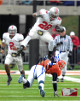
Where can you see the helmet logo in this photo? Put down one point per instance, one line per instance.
(56, 10)
(12, 27)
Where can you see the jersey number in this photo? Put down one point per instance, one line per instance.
(45, 25)
(11, 45)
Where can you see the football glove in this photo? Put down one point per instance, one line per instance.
(20, 78)
(50, 55)
(20, 50)
(59, 29)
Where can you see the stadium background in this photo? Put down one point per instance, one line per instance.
(14, 12)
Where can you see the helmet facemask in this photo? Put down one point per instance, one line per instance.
(54, 13)
(12, 30)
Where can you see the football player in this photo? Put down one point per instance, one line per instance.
(45, 21)
(13, 40)
(39, 71)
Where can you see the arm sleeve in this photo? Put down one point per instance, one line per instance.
(77, 41)
(4, 38)
(44, 14)
(21, 38)
(70, 46)
(51, 45)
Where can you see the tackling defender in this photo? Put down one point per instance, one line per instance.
(39, 71)
(13, 40)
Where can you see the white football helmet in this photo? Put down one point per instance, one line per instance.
(12, 30)
(54, 12)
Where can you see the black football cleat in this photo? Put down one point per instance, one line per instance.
(42, 93)
(9, 80)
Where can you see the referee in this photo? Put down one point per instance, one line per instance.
(62, 45)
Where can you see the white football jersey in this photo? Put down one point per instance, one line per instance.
(15, 41)
(43, 23)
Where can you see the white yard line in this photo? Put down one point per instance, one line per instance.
(68, 78)
(34, 96)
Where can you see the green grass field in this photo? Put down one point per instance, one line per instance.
(15, 91)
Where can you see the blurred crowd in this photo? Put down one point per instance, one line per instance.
(41, 2)
(52, 2)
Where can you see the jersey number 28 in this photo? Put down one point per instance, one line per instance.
(45, 25)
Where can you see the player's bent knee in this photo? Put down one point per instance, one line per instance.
(27, 84)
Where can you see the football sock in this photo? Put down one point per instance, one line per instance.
(41, 83)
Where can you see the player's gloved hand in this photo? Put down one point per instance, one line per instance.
(45, 57)
(50, 55)
(60, 43)
(59, 28)
(20, 78)
(20, 50)
(70, 54)
(56, 94)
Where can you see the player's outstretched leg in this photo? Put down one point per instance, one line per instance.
(42, 93)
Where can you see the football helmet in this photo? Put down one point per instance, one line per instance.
(12, 30)
(61, 64)
(54, 12)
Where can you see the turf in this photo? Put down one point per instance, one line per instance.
(15, 91)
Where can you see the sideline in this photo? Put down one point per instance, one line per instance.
(69, 72)
(16, 72)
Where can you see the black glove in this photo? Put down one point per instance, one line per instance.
(59, 28)
(20, 50)
(50, 55)
(70, 54)
(60, 43)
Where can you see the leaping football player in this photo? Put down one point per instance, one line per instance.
(45, 21)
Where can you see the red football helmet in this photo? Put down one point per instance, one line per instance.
(61, 64)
